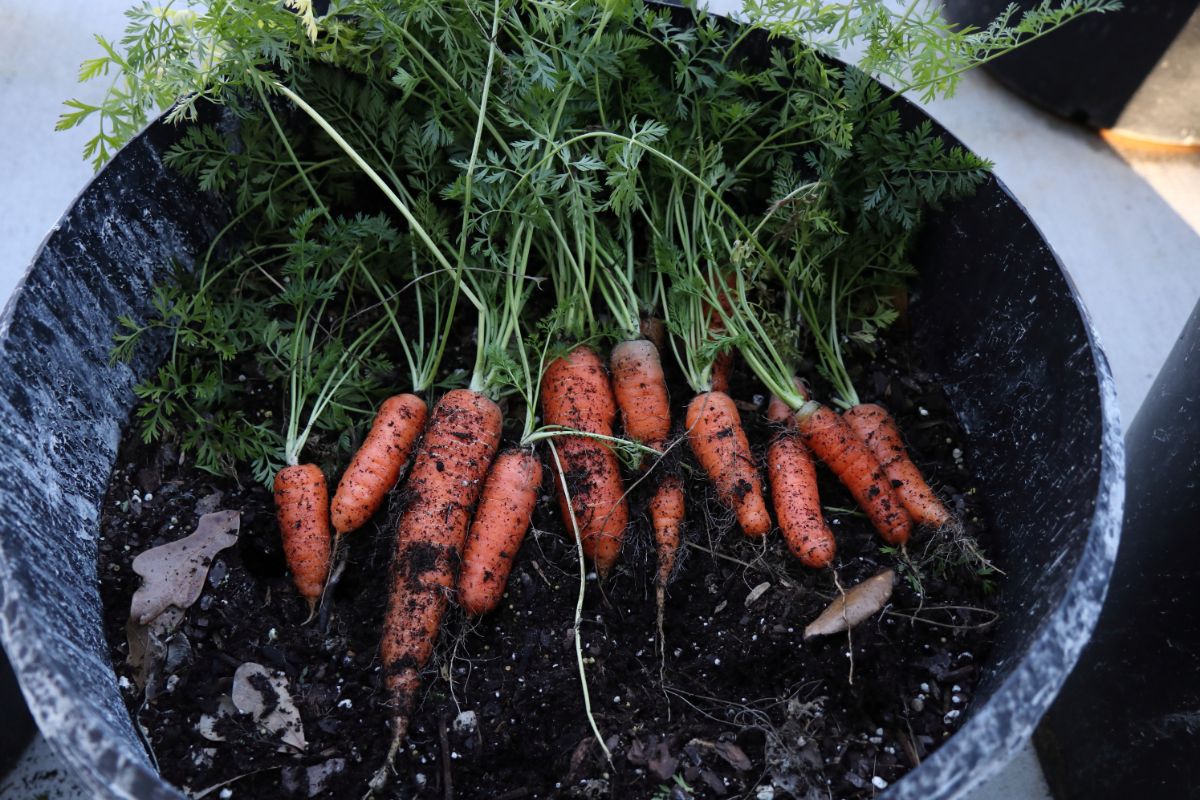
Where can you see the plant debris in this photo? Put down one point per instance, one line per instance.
(173, 574)
(264, 695)
(859, 603)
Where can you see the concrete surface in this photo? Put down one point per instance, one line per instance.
(1125, 221)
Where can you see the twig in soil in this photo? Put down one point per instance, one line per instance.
(447, 772)
(914, 617)
(849, 636)
(587, 699)
(717, 554)
(218, 786)
(324, 608)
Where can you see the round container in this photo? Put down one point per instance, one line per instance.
(995, 317)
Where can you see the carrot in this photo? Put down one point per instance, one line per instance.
(831, 439)
(302, 510)
(719, 442)
(666, 515)
(576, 394)
(654, 329)
(721, 368)
(446, 478)
(376, 466)
(641, 392)
(778, 411)
(505, 509)
(877, 429)
(797, 505)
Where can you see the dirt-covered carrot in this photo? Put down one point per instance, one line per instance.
(302, 510)
(717, 438)
(832, 440)
(793, 481)
(641, 392)
(501, 521)
(576, 394)
(446, 479)
(376, 466)
(667, 512)
(877, 429)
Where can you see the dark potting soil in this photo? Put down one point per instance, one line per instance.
(737, 705)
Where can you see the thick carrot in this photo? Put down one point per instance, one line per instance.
(641, 392)
(876, 428)
(376, 466)
(797, 504)
(302, 509)
(446, 478)
(501, 521)
(719, 442)
(830, 438)
(576, 394)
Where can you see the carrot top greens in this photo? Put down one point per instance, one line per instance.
(396, 169)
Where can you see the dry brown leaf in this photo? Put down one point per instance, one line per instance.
(757, 592)
(173, 574)
(265, 697)
(148, 645)
(860, 602)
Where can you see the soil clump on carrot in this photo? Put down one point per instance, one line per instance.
(740, 701)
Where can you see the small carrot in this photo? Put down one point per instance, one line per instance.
(778, 411)
(576, 394)
(446, 478)
(830, 438)
(302, 510)
(877, 429)
(641, 392)
(505, 510)
(719, 442)
(654, 329)
(797, 504)
(666, 515)
(376, 466)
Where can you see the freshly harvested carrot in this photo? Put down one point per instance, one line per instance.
(666, 515)
(877, 429)
(302, 510)
(830, 438)
(654, 329)
(501, 521)
(797, 504)
(719, 442)
(721, 368)
(641, 392)
(778, 411)
(376, 466)
(576, 394)
(445, 482)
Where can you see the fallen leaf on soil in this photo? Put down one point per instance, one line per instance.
(661, 763)
(148, 645)
(207, 725)
(173, 574)
(757, 592)
(311, 781)
(265, 697)
(733, 754)
(859, 603)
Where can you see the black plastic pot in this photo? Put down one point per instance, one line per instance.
(996, 317)
(1126, 723)
(1136, 69)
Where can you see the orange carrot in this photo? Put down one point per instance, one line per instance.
(778, 411)
(721, 368)
(576, 394)
(446, 478)
(876, 428)
(797, 505)
(655, 330)
(830, 438)
(719, 442)
(302, 509)
(666, 515)
(505, 509)
(641, 392)
(376, 466)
